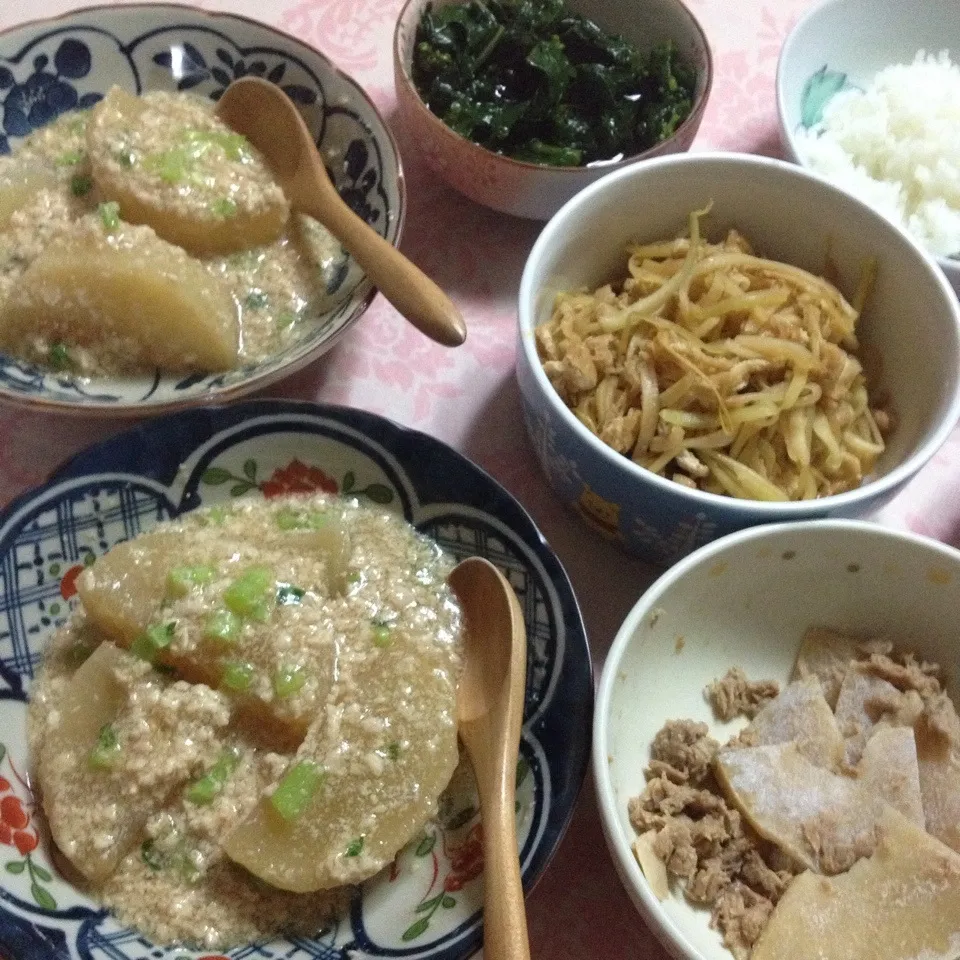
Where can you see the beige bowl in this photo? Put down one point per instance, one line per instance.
(528, 189)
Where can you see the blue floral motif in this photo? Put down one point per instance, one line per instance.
(45, 94)
(190, 68)
(355, 180)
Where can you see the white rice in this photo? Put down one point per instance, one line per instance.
(896, 145)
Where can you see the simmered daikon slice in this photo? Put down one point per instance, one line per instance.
(823, 820)
(369, 774)
(171, 164)
(901, 903)
(132, 299)
(889, 769)
(799, 714)
(19, 185)
(124, 740)
(236, 602)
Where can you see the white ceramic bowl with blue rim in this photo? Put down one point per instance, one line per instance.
(911, 329)
(844, 43)
(746, 601)
(428, 907)
(69, 62)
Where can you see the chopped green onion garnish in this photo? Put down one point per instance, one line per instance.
(154, 639)
(169, 165)
(223, 626)
(59, 356)
(224, 207)
(70, 158)
(80, 184)
(251, 594)
(393, 750)
(381, 635)
(218, 515)
(288, 679)
(296, 789)
(107, 751)
(151, 856)
(109, 215)
(237, 676)
(181, 580)
(288, 595)
(355, 846)
(288, 519)
(124, 158)
(234, 145)
(205, 789)
(286, 318)
(255, 300)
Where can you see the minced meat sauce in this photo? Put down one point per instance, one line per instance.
(216, 813)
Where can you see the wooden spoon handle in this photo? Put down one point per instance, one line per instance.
(407, 287)
(504, 911)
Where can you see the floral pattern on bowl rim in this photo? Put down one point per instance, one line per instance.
(51, 66)
(427, 906)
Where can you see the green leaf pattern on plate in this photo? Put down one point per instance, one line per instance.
(817, 93)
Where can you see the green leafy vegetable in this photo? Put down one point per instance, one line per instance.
(533, 81)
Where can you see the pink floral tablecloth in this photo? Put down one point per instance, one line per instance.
(468, 397)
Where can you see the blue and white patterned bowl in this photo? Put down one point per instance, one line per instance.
(69, 62)
(911, 328)
(428, 906)
(842, 43)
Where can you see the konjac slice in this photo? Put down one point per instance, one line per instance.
(939, 771)
(799, 714)
(889, 769)
(368, 775)
(825, 654)
(863, 700)
(125, 739)
(901, 903)
(80, 290)
(823, 820)
(171, 164)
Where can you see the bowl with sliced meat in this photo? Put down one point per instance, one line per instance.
(777, 747)
(148, 257)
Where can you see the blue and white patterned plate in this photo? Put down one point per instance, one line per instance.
(50, 66)
(427, 906)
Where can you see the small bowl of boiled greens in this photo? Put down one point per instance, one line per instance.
(520, 104)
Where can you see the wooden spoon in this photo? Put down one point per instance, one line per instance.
(490, 712)
(267, 117)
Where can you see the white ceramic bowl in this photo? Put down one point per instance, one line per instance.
(911, 328)
(527, 189)
(69, 62)
(840, 43)
(746, 601)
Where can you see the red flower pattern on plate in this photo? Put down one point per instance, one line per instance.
(466, 863)
(298, 477)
